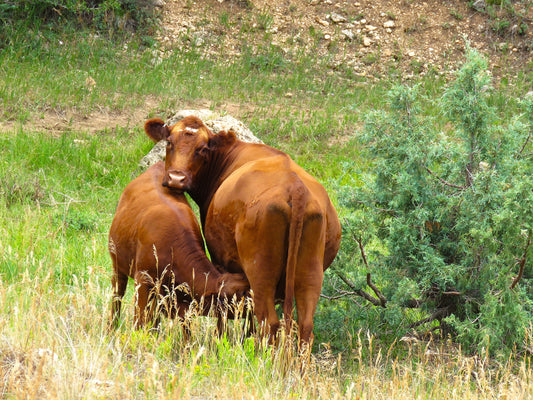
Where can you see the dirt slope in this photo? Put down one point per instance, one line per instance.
(370, 36)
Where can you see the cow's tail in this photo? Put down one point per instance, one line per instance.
(298, 201)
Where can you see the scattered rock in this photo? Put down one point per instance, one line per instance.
(479, 5)
(322, 22)
(348, 34)
(298, 23)
(337, 18)
(367, 42)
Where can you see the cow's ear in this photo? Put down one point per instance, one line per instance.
(222, 139)
(156, 129)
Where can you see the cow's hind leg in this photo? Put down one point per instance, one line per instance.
(146, 301)
(261, 242)
(119, 281)
(310, 275)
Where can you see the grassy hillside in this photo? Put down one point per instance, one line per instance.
(58, 193)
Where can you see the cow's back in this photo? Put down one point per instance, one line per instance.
(266, 185)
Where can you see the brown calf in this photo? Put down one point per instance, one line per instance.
(156, 240)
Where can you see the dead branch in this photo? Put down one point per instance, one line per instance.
(382, 299)
(452, 293)
(521, 263)
(361, 292)
(445, 182)
(363, 254)
(525, 143)
(342, 293)
(439, 314)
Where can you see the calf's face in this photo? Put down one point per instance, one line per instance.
(187, 150)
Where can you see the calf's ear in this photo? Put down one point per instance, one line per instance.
(156, 129)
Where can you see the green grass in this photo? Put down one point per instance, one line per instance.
(58, 194)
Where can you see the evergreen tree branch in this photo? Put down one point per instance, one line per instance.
(382, 299)
(521, 263)
(445, 182)
(360, 292)
(525, 143)
(438, 314)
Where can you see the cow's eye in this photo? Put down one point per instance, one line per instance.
(169, 143)
(201, 151)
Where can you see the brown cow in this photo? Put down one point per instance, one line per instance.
(261, 214)
(156, 240)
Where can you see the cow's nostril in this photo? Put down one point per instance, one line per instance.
(175, 179)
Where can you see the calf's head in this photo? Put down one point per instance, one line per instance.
(233, 284)
(187, 149)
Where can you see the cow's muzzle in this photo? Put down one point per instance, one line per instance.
(176, 180)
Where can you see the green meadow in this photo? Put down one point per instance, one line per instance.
(59, 190)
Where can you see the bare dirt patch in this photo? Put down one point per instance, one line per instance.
(368, 36)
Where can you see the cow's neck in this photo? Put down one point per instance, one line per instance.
(222, 163)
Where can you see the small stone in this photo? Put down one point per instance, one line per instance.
(327, 36)
(411, 54)
(479, 5)
(337, 18)
(367, 41)
(348, 34)
(322, 22)
(389, 24)
(370, 28)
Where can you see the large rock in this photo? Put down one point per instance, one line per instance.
(217, 122)
(214, 121)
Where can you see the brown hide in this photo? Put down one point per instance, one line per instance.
(261, 214)
(156, 240)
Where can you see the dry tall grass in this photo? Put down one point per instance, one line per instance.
(54, 345)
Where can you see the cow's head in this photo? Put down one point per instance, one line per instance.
(187, 149)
